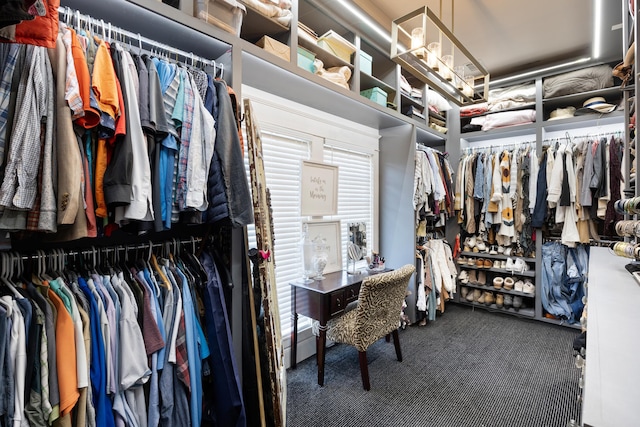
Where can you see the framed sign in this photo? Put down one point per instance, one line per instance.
(319, 189)
(330, 232)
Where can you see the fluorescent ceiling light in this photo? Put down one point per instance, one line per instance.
(597, 28)
(366, 19)
(539, 71)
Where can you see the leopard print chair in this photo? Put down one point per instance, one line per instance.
(377, 315)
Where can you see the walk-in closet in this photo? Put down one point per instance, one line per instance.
(318, 213)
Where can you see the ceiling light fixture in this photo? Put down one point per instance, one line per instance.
(437, 57)
(366, 19)
(540, 71)
(597, 28)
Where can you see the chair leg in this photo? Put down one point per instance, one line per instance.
(396, 342)
(364, 370)
(387, 337)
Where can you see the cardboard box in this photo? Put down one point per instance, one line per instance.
(281, 50)
(224, 14)
(337, 45)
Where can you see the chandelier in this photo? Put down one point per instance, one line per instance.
(426, 48)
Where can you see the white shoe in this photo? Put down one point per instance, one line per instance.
(518, 287)
(493, 251)
(529, 288)
(503, 264)
(481, 246)
(520, 266)
(509, 265)
(464, 276)
(500, 249)
(472, 242)
(507, 251)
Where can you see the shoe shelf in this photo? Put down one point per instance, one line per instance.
(526, 273)
(501, 290)
(523, 311)
(492, 256)
(561, 322)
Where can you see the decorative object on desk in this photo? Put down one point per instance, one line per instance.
(376, 262)
(318, 189)
(306, 248)
(329, 233)
(420, 31)
(320, 257)
(354, 253)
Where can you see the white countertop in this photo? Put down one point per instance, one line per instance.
(612, 377)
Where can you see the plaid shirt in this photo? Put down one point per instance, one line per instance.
(182, 361)
(8, 66)
(185, 140)
(19, 188)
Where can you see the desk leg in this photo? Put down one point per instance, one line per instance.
(321, 344)
(294, 330)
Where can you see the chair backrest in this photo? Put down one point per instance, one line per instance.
(379, 305)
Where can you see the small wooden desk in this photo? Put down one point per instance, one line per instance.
(323, 300)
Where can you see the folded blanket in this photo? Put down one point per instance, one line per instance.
(504, 118)
(473, 110)
(578, 81)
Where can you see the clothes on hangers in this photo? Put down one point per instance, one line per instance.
(495, 195)
(432, 184)
(130, 345)
(140, 143)
(584, 180)
(437, 276)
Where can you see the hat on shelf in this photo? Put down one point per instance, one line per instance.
(562, 113)
(595, 105)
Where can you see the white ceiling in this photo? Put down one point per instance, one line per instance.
(508, 36)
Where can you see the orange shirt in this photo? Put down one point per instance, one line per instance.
(104, 82)
(65, 356)
(91, 115)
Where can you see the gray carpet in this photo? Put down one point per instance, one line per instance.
(466, 369)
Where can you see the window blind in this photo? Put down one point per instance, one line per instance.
(355, 191)
(283, 157)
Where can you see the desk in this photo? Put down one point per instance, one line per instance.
(322, 300)
(611, 392)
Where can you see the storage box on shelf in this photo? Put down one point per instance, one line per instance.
(365, 63)
(305, 59)
(333, 42)
(264, 18)
(269, 44)
(224, 14)
(375, 94)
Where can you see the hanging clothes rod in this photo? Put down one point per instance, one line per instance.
(514, 145)
(68, 15)
(93, 251)
(589, 135)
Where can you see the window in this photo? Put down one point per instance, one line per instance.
(355, 191)
(290, 134)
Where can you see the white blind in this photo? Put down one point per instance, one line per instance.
(355, 191)
(283, 157)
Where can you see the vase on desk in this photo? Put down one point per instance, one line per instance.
(320, 258)
(307, 249)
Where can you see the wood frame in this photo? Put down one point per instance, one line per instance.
(318, 189)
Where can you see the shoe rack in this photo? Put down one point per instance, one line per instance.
(493, 282)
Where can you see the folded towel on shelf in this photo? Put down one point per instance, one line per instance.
(337, 75)
(276, 11)
(473, 110)
(504, 118)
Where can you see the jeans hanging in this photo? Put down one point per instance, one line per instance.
(564, 273)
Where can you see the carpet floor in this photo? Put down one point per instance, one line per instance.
(469, 368)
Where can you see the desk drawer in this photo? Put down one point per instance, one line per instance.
(351, 294)
(338, 302)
